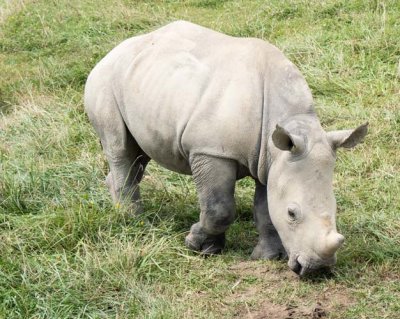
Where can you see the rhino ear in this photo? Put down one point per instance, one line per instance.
(286, 141)
(347, 138)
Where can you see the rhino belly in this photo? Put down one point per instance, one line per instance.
(162, 146)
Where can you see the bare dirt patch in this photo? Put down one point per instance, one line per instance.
(269, 310)
(267, 291)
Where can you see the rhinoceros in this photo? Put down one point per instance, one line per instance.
(222, 108)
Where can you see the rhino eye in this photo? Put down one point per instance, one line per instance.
(293, 212)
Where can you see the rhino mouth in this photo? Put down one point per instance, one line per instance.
(302, 267)
(298, 268)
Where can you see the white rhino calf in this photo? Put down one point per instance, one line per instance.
(221, 108)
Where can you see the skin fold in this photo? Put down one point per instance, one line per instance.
(221, 108)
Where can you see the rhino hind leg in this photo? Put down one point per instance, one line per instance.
(269, 245)
(124, 178)
(126, 159)
(127, 165)
(215, 182)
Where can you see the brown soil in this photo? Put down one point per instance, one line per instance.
(260, 300)
(269, 310)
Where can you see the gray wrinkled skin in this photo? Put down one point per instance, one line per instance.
(221, 108)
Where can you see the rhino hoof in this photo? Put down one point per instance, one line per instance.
(206, 244)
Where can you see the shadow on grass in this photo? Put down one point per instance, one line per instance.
(319, 275)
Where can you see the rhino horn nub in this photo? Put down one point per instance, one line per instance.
(333, 242)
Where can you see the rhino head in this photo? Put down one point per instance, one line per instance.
(300, 193)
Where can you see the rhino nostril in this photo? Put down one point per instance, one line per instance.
(297, 268)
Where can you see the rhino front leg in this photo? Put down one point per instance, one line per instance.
(269, 244)
(215, 182)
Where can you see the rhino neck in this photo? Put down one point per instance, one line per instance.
(286, 97)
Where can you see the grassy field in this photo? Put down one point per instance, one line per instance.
(67, 252)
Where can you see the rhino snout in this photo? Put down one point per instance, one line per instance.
(304, 263)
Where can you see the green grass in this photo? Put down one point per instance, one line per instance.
(67, 252)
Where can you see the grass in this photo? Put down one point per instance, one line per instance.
(67, 252)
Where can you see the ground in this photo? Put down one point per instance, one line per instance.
(68, 252)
